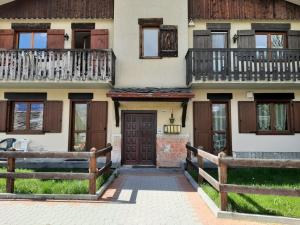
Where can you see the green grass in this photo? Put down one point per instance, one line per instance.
(34, 186)
(259, 204)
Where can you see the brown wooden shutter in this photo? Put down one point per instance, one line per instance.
(203, 125)
(246, 39)
(3, 116)
(294, 39)
(97, 125)
(7, 39)
(53, 116)
(202, 39)
(168, 41)
(247, 117)
(296, 117)
(56, 39)
(99, 39)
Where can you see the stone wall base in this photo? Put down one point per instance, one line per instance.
(267, 155)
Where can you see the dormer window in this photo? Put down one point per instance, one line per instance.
(32, 40)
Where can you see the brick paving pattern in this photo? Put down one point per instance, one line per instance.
(133, 199)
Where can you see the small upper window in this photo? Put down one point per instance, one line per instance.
(270, 40)
(150, 42)
(32, 40)
(82, 39)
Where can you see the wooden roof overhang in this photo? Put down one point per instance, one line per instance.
(156, 96)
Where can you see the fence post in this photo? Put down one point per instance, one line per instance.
(11, 166)
(222, 170)
(188, 157)
(200, 165)
(93, 172)
(108, 159)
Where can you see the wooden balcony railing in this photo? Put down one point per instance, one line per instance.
(57, 65)
(243, 65)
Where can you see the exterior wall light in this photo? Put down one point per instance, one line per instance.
(66, 36)
(172, 128)
(191, 23)
(235, 38)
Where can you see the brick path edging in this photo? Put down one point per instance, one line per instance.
(235, 215)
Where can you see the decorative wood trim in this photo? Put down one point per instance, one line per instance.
(25, 96)
(150, 21)
(30, 26)
(274, 96)
(81, 96)
(83, 26)
(219, 96)
(271, 26)
(218, 26)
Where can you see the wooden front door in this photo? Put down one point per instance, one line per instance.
(139, 138)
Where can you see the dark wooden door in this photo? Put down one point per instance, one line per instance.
(139, 138)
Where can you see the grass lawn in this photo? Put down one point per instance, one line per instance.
(259, 204)
(34, 186)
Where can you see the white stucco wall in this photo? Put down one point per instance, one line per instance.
(66, 25)
(235, 26)
(252, 142)
(135, 72)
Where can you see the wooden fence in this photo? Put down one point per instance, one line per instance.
(92, 176)
(223, 163)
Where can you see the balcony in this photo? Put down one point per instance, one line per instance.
(57, 66)
(242, 66)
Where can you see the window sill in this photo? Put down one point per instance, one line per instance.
(274, 133)
(155, 57)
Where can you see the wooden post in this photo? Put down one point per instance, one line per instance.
(11, 166)
(222, 170)
(201, 165)
(108, 160)
(188, 157)
(93, 172)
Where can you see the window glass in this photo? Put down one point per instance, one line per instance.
(20, 112)
(219, 39)
(40, 40)
(277, 40)
(264, 117)
(150, 42)
(80, 127)
(261, 41)
(25, 40)
(36, 116)
(281, 119)
(219, 117)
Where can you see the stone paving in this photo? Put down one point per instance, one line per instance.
(138, 198)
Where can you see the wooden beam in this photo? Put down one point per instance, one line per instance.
(67, 155)
(117, 114)
(210, 179)
(47, 176)
(261, 163)
(242, 189)
(184, 110)
(10, 182)
(222, 171)
(93, 170)
(103, 152)
(214, 159)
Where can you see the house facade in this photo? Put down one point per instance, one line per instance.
(150, 76)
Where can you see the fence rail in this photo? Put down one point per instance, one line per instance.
(223, 163)
(57, 65)
(243, 65)
(92, 176)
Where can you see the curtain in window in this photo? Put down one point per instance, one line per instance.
(281, 117)
(264, 117)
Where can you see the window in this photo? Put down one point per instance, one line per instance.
(273, 117)
(82, 39)
(28, 40)
(150, 42)
(219, 39)
(28, 117)
(270, 40)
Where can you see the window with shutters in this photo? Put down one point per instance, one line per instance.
(270, 40)
(273, 117)
(27, 117)
(157, 40)
(82, 39)
(31, 40)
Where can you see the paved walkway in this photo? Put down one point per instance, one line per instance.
(138, 198)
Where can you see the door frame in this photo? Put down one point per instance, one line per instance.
(229, 131)
(123, 113)
(71, 120)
